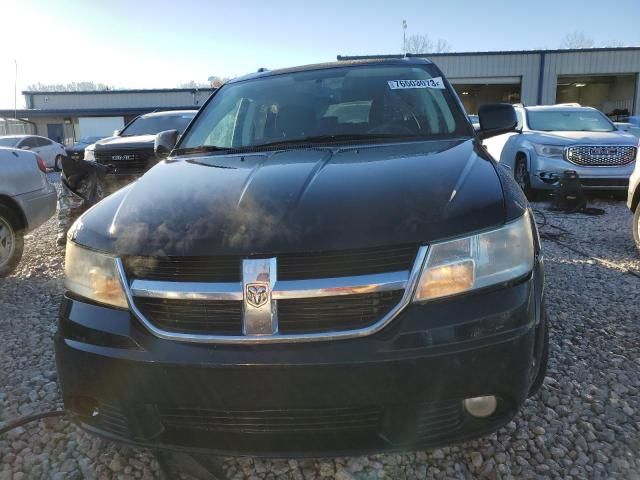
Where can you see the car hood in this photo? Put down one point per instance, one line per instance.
(592, 138)
(300, 201)
(135, 141)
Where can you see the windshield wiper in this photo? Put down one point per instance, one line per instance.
(200, 149)
(334, 138)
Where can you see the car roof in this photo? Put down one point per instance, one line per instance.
(557, 108)
(24, 136)
(169, 113)
(339, 64)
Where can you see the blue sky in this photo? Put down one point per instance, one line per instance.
(147, 44)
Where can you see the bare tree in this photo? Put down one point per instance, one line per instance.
(216, 81)
(194, 84)
(577, 40)
(68, 87)
(421, 43)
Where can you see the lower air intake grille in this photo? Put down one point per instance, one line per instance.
(601, 155)
(326, 314)
(193, 316)
(273, 421)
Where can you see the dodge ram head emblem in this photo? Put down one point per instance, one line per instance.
(257, 294)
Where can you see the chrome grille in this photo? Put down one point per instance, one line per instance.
(126, 161)
(259, 307)
(600, 155)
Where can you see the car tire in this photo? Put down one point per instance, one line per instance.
(11, 241)
(57, 164)
(544, 360)
(636, 227)
(521, 175)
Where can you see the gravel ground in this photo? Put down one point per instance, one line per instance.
(584, 423)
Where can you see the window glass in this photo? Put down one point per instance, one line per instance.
(330, 102)
(42, 142)
(30, 142)
(157, 123)
(8, 141)
(569, 121)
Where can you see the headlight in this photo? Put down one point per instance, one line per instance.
(477, 261)
(553, 151)
(93, 275)
(90, 153)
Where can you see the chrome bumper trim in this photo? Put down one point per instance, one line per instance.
(282, 290)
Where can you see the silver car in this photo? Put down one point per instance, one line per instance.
(552, 139)
(27, 200)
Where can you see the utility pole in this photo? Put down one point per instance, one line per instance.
(15, 92)
(404, 36)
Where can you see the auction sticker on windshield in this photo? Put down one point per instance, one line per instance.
(435, 82)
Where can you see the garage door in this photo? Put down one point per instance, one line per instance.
(99, 126)
(476, 91)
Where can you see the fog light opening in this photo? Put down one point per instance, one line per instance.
(481, 407)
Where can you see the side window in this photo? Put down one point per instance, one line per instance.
(29, 142)
(222, 134)
(42, 142)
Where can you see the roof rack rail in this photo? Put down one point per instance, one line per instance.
(569, 104)
(263, 69)
(521, 104)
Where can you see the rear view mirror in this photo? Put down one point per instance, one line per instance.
(496, 119)
(164, 143)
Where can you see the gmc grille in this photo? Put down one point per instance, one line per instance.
(126, 161)
(600, 155)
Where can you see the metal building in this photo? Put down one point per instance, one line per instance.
(604, 78)
(68, 116)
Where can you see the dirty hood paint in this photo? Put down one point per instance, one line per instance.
(300, 201)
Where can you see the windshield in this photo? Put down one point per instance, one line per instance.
(568, 121)
(8, 142)
(350, 103)
(89, 139)
(157, 123)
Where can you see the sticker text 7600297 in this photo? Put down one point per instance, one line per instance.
(435, 82)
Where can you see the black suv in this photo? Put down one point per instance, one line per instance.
(327, 262)
(130, 151)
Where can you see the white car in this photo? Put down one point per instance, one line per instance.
(50, 151)
(27, 200)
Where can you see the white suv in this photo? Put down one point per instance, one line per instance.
(552, 139)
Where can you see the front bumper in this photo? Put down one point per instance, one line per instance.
(545, 173)
(399, 389)
(38, 206)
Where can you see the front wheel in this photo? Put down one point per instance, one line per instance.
(11, 241)
(636, 227)
(521, 175)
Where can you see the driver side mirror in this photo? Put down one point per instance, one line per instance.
(164, 143)
(116, 133)
(25, 147)
(496, 119)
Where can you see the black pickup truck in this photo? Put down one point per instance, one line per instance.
(327, 262)
(130, 151)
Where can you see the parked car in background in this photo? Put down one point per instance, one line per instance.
(27, 200)
(52, 152)
(76, 151)
(555, 138)
(302, 277)
(130, 151)
(633, 202)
